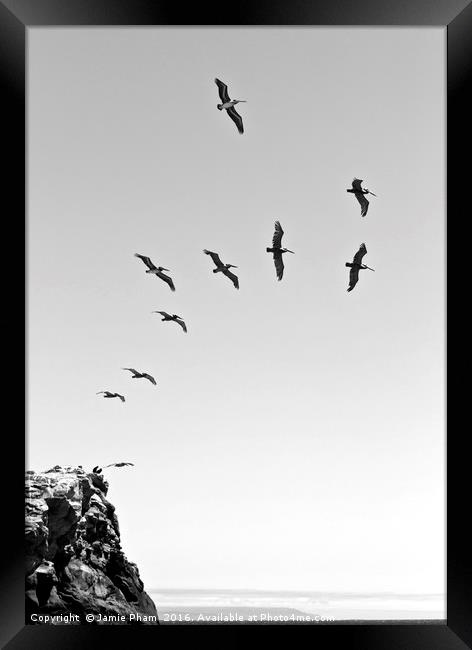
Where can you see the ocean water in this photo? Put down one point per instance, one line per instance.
(177, 606)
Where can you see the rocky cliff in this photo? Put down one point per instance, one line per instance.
(76, 570)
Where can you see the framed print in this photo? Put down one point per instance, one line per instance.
(235, 320)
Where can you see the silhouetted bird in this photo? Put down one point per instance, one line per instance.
(118, 464)
(174, 317)
(141, 375)
(356, 266)
(107, 393)
(223, 268)
(156, 270)
(360, 193)
(229, 105)
(277, 250)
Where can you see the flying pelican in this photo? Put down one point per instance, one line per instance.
(360, 193)
(156, 270)
(229, 105)
(119, 464)
(356, 266)
(141, 375)
(107, 393)
(277, 250)
(223, 268)
(174, 317)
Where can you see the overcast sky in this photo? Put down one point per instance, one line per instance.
(296, 436)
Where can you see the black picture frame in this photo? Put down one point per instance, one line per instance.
(16, 16)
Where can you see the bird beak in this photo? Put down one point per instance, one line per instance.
(290, 251)
(166, 269)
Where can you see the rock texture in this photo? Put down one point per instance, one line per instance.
(74, 561)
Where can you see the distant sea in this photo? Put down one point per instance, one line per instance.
(177, 606)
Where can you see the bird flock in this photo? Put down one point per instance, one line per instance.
(277, 250)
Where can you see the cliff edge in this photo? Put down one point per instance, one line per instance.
(76, 571)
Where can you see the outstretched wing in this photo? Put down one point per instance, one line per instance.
(120, 396)
(167, 279)
(236, 117)
(279, 265)
(214, 256)
(278, 234)
(135, 372)
(353, 277)
(360, 254)
(149, 377)
(146, 260)
(163, 313)
(181, 323)
(356, 184)
(223, 91)
(232, 277)
(364, 203)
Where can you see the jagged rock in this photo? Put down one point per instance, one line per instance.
(74, 561)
